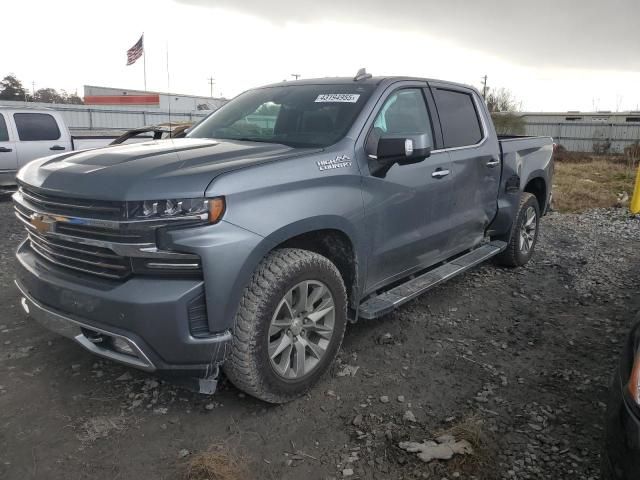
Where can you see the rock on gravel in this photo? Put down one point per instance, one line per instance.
(443, 449)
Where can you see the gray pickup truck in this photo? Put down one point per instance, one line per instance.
(248, 245)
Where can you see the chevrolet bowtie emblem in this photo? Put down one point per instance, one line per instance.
(42, 223)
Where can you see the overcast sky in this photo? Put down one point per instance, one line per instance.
(553, 54)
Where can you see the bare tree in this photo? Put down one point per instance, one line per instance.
(503, 107)
(502, 100)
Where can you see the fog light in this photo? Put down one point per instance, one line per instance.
(122, 346)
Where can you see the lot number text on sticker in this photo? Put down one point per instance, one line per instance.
(338, 97)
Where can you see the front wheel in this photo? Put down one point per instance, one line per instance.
(524, 233)
(289, 325)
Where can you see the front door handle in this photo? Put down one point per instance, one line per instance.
(6, 150)
(439, 173)
(57, 147)
(493, 163)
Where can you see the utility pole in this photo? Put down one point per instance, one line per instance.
(296, 75)
(212, 82)
(33, 91)
(484, 87)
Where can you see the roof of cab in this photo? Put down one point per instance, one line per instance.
(365, 81)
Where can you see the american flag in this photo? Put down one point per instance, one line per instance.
(135, 52)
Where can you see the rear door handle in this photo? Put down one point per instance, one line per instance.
(493, 163)
(440, 173)
(57, 147)
(6, 150)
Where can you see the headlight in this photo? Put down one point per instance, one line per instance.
(209, 209)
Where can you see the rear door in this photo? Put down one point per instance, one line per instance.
(475, 163)
(8, 157)
(39, 135)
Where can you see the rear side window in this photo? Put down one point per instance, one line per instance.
(36, 126)
(4, 133)
(459, 118)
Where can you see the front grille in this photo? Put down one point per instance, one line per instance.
(105, 234)
(72, 245)
(96, 238)
(83, 258)
(90, 232)
(73, 206)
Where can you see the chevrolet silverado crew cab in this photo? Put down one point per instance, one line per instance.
(248, 245)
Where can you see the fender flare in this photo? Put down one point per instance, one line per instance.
(287, 232)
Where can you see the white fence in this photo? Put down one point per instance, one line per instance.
(105, 118)
(599, 133)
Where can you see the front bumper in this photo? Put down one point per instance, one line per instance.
(622, 441)
(147, 316)
(79, 332)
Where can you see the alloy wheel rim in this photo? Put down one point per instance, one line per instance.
(528, 230)
(301, 329)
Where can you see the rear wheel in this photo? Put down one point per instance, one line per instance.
(524, 233)
(289, 325)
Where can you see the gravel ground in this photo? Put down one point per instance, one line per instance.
(515, 361)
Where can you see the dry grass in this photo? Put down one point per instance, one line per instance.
(217, 463)
(482, 461)
(470, 429)
(591, 183)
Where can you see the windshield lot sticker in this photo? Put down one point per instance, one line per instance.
(341, 161)
(338, 98)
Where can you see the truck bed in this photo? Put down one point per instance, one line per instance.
(524, 158)
(514, 143)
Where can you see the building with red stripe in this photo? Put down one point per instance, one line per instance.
(94, 95)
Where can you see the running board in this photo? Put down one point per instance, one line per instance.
(381, 304)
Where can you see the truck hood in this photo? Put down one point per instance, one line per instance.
(174, 168)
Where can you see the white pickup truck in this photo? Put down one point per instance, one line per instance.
(29, 133)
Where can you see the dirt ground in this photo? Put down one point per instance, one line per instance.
(516, 361)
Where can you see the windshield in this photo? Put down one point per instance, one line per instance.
(293, 115)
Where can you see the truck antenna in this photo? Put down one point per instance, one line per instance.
(362, 75)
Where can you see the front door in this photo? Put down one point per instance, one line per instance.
(406, 207)
(8, 156)
(475, 162)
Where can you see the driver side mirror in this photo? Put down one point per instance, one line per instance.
(384, 152)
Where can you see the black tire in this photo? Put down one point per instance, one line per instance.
(516, 255)
(248, 366)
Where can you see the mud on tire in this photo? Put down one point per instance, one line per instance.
(250, 366)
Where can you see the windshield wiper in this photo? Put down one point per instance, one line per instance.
(253, 139)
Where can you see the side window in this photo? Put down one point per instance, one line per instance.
(36, 126)
(458, 117)
(4, 133)
(404, 113)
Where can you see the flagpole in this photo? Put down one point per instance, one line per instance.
(168, 87)
(144, 62)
